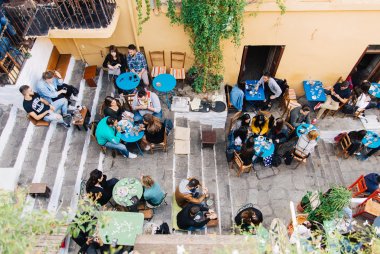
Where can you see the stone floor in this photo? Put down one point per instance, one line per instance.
(62, 157)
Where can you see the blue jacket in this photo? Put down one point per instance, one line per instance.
(47, 91)
(371, 182)
(237, 97)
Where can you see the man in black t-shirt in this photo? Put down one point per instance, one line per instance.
(339, 94)
(39, 108)
(194, 216)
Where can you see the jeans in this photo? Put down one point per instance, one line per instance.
(119, 147)
(139, 118)
(196, 228)
(53, 117)
(60, 104)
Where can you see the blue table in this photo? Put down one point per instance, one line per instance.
(261, 144)
(305, 128)
(375, 90)
(130, 137)
(164, 83)
(314, 92)
(373, 138)
(128, 81)
(254, 95)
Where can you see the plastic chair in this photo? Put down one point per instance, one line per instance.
(239, 163)
(370, 208)
(358, 187)
(157, 56)
(179, 59)
(344, 144)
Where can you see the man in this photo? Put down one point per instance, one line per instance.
(193, 217)
(137, 63)
(339, 94)
(237, 96)
(299, 115)
(372, 182)
(271, 89)
(108, 135)
(39, 108)
(146, 102)
(188, 192)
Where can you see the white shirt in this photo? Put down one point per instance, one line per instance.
(305, 145)
(363, 101)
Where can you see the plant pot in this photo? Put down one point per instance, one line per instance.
(300, 209)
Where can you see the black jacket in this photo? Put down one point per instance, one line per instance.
(184, 220)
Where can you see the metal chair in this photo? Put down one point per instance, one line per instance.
(157, 56)
(358, 187)
(177, 58)
(240, 165)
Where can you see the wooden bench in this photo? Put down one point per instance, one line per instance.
(39, 189)
(37, 122)
(208, 138)
(81, 123)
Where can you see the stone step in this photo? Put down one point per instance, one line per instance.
(195, 163)
(4, 115)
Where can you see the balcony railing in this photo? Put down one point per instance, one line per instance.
(36, 17)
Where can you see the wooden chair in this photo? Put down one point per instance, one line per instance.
(240, 165)
(290, 127)
(157, 57)
(227, 90)
(344, 144)
(177, 59)
(370, 208)
(233, 120)
(161, 146)
(289, 95)
(289, 106)
(358, 187)
(37, 122)
(129, 99)
(299, 156)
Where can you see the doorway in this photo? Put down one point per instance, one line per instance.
(368, 66)
(257, 59)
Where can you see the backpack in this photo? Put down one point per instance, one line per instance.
(163, 229)
(276, 161)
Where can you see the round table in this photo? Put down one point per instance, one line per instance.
(261, 144)
(220, 106)
(128, 81)
(373, 138)
(130, 137)
(375, 90)
(164, 83)
(305, 128)
(125, 189)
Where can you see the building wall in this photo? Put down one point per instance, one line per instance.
(323, 39)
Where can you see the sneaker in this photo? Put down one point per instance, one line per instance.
(318, 106)
(66, 115)
(73, 97)
(132, 155)
(66, 125)
(70, 107)
(314, 121)
(147, 148)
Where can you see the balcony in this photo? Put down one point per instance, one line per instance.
(63, 18)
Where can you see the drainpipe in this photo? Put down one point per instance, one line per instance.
(131, 16)
(78, 49)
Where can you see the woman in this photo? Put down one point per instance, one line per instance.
(154, 131)
(99, 187)
(247, 152)
(307, 142)
(112, 109)
(244, 120)
(362, 102)
(356, 140)
(280, 132)
(260, 125)
(116, 64)
(240, 137)
(153, 194)
(248, 217)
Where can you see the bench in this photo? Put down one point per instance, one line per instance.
(37, 122)
(81, 122)
(39, 189)
(208, 138)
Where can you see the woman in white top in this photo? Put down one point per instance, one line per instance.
(307, 142)
(361, 103)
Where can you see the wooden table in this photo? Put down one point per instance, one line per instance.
(208, 138)
(81, 123)
(41, 189)
(212, 223)
(89, 75)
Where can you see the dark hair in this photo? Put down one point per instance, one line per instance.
(110, 120)
(243, 118)
(344, 84)
(141, 93)
(250, 143)
(108, 100)
(195, 209)
(247, 217)
(271, 122)
(95, 175)
(279, 124)
(259, 118)
(378, 179)
(113, 48)
(193, 183)
(365, 86)
(305, 108)
(132, 47)
(357, 135)
(241, 85)
(23, 89)
(47, 75)
(242, 132)
(266, 74)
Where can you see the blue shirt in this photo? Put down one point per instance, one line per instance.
(137, 62)
(371, 182)
(48, 91)
(154, 194)
(237, 97)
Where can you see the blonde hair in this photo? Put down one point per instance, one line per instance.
(313, 135)
(147, 181)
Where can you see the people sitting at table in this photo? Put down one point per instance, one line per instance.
(146, 102)
(99, 187)
(243, 120)
(195, 216)
(108, 134)
(52, 88)
(188, 192)
(154, 131)
(153, 194)
(372, 182)
(247, 151)
(40, 109)
(248, 217)
(365, 155)
(116, 64)
(240, 137)
(299, 115)
(260, 124)
(271, 89)
(307, 142)
(279, 133)
(137, 64)
(339, 94)
(362, 102)
(112, 109)
(237, 95)
(356, 138)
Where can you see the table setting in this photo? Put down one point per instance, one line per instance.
(375, 90)
(127, 192)
(371, 140)
(314, 90)
(251, 94)
(263, 147)
(305, 128)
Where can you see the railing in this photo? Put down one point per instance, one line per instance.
(36, 17)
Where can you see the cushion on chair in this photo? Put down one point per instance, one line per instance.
(292, 94)
(157, 70)
(178, 73)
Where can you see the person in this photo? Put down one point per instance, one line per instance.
(243, 120)
(356, 140)
(112, 109)
(247, 151)
(363, 101)
(194, 216)
(339, 94)
(307, 142)
(137, 63)
(248, 217)
(372, 182)
(39, 108)
(116, 64)
(52, 88)
(154, 131)
(299, 115)
(237, 96)
(271, 89)
(146, 102)
(99, 187)
(240, 136)
(108, 134)
(188, 192)
(371, 151)
(279, 133)
(260, 124)
(153, 194)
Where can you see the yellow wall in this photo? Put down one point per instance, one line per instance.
(323, 40)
